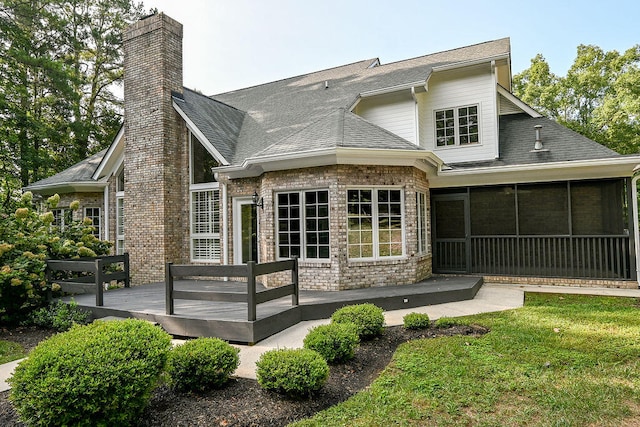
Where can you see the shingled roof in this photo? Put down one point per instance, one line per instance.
(277, 111)
(561, 144)
(77, 175)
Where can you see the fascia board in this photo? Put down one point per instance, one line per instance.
(423, 160)
(557, 171)
(391, 89)
(69, 187)
(470, 63)
(203, 139)
(115, 149)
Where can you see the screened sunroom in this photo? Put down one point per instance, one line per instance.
(577, 229)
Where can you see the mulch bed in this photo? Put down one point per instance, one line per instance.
(242, 402)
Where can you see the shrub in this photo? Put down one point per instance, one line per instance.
(28, 239)
(201, 364)
(368, 319)
(294, 372)
(98, 374)
(59, 315)
(416, 321)
(446, 322)
(335, 342)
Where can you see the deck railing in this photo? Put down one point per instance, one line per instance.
(249, 271)
(592, 257)
(95, 273)
(596, 257)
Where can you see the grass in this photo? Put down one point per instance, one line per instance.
(10, 351)
(561, 360)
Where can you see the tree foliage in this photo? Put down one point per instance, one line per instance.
(599, 97)
(59, 63)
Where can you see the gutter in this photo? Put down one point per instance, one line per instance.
(636, 230)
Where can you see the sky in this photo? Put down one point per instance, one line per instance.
(233, 44)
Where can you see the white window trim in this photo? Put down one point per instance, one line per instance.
(422, 223)
(303, 226)
(120, 237)
(207, 186)
(98, 232)
(375, 221)
(194, 236)
(456, 128)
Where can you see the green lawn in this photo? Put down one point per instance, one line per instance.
(10, 351)
(562, 360)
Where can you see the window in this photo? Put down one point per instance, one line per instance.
(421, 202)
(201, 163)
(374, 223)
(205, 205)
(94, 215)
(120, 223)
(457, 126)
(303, 222)
(205, 225)
(62, 218)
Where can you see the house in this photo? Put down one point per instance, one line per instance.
(371, 174)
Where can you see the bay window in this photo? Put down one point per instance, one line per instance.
(375, 220)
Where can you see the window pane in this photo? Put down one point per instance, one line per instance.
(205, 225)
(288, 225)
(201, 162)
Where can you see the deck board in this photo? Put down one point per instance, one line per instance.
(229, 320)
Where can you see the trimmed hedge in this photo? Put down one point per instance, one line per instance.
(202, 364)
(294, 372)
(368, 319)
(416, 321)
(59, 315)
(335, 342)
(446, 322)
(99, 374)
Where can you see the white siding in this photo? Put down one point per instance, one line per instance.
(393, 112)
(508, 107)
(455, 88)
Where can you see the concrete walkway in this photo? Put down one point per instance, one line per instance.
(490, 298)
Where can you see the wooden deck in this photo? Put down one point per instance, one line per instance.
(229, 320)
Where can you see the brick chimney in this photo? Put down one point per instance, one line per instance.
(155, 147)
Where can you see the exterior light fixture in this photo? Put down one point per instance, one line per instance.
(257, 200)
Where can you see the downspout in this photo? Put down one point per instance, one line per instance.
(225, 228)
(416, 116)
(106, 212)
(636, 231)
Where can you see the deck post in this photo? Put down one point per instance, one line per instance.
(294, 281)
(127, 279)
(168, 284)
(99, 282)
(251, 291)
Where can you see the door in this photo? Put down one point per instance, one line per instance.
(245, 231)
(451, 243)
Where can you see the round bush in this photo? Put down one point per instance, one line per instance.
(335, 342)
(202, 364)
(416, 321)
(99, 374)
(294, 372)
(367, 318)
(445, 322)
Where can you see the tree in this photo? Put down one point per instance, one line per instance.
(599, 97)
(59, 61)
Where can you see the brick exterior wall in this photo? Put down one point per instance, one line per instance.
(156, 180)
(338, 272)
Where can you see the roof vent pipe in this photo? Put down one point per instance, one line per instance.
(326, 84)
(538, 145)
